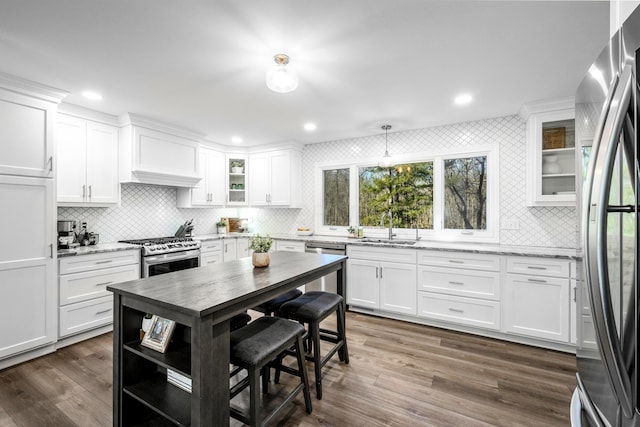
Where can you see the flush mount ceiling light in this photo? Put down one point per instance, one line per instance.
(282, 77)
(94, 96)
(310, 127)
(463, 99)
(236, 140)
(386, 161)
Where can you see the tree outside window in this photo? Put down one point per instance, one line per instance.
(465, 193)
(336, 197)
(406, 190)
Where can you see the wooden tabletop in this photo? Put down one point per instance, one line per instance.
(201, 291)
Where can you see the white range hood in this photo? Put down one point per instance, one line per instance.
(156, 153)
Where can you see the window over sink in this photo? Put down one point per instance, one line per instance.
(445, 196)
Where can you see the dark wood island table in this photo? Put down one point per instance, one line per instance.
(201, 301)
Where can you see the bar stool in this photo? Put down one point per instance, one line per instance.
(312, 308)
(239, 320)
(272, 306)
(253, 348)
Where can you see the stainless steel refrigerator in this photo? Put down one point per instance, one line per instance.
(606, 118)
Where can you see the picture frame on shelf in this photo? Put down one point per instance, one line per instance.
(159, 334)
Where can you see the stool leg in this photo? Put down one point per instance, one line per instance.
(314, 330)
(343, 351)
(276, 376)
(254, 399)
(302, 369)
(266, 373)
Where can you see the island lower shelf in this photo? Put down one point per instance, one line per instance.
(163, 398)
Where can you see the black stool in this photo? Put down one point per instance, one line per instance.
(312, 308)
(253, 348)
(272, 306)
(239, 320)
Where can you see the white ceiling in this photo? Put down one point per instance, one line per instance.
(361, 63)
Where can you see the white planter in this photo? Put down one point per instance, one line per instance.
(222, 230)
(237, 169)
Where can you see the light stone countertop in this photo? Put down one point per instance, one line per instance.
(480, 248)
(485, 248)
(96, 249)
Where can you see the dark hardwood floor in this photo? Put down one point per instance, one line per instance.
(400, 374)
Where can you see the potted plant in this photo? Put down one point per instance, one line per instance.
(221, 226)
(237, 166)
(352, 231)
(260, 246)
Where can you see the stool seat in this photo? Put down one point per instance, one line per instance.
(262, 339)
(311, 306)
(273, 305)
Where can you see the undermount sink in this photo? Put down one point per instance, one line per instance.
(388, 241)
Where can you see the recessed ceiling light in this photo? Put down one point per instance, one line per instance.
(94, 96)
(310, 127)
(463, 99)
(236, 140)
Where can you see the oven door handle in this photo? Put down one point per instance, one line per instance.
(172, 256)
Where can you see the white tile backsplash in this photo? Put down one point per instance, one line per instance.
(150, 211)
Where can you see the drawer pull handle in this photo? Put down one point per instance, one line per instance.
(537, 280)
(104, 283)
(104, 262)
(456, 261)
(457, 283)
(535, 267)
(456, 310)
(103, 311)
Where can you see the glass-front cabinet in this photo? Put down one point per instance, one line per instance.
(551, 153)
(236, 168)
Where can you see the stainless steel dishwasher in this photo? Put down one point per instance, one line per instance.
(327, 283)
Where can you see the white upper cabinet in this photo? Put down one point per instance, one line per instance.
(27, 117)
(87, 162)
(154, 153)
(210, 191)
(236, 179)
(274, 179)
(551, 153)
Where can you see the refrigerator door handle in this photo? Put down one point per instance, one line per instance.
(596, 263)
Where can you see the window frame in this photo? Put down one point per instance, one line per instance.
(438, 233)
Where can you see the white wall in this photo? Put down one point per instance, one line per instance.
(539, 226)
(619, 10)
(150, 211)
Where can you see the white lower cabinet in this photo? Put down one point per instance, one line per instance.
(536, 304)
(211, 252)
(223, 250)
(230, 249)
(27, 264)
(461, 288)
(84, 301)
(290, 245)
(467, 311)
(377, 284)
(243, 248)
(86, 315)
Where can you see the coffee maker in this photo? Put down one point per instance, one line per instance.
(67, 234)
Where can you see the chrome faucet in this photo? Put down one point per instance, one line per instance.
(390, 222)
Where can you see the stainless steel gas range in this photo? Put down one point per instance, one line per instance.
(167, 254)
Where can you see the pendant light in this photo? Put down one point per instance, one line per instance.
(281, 77)
(386, 161)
